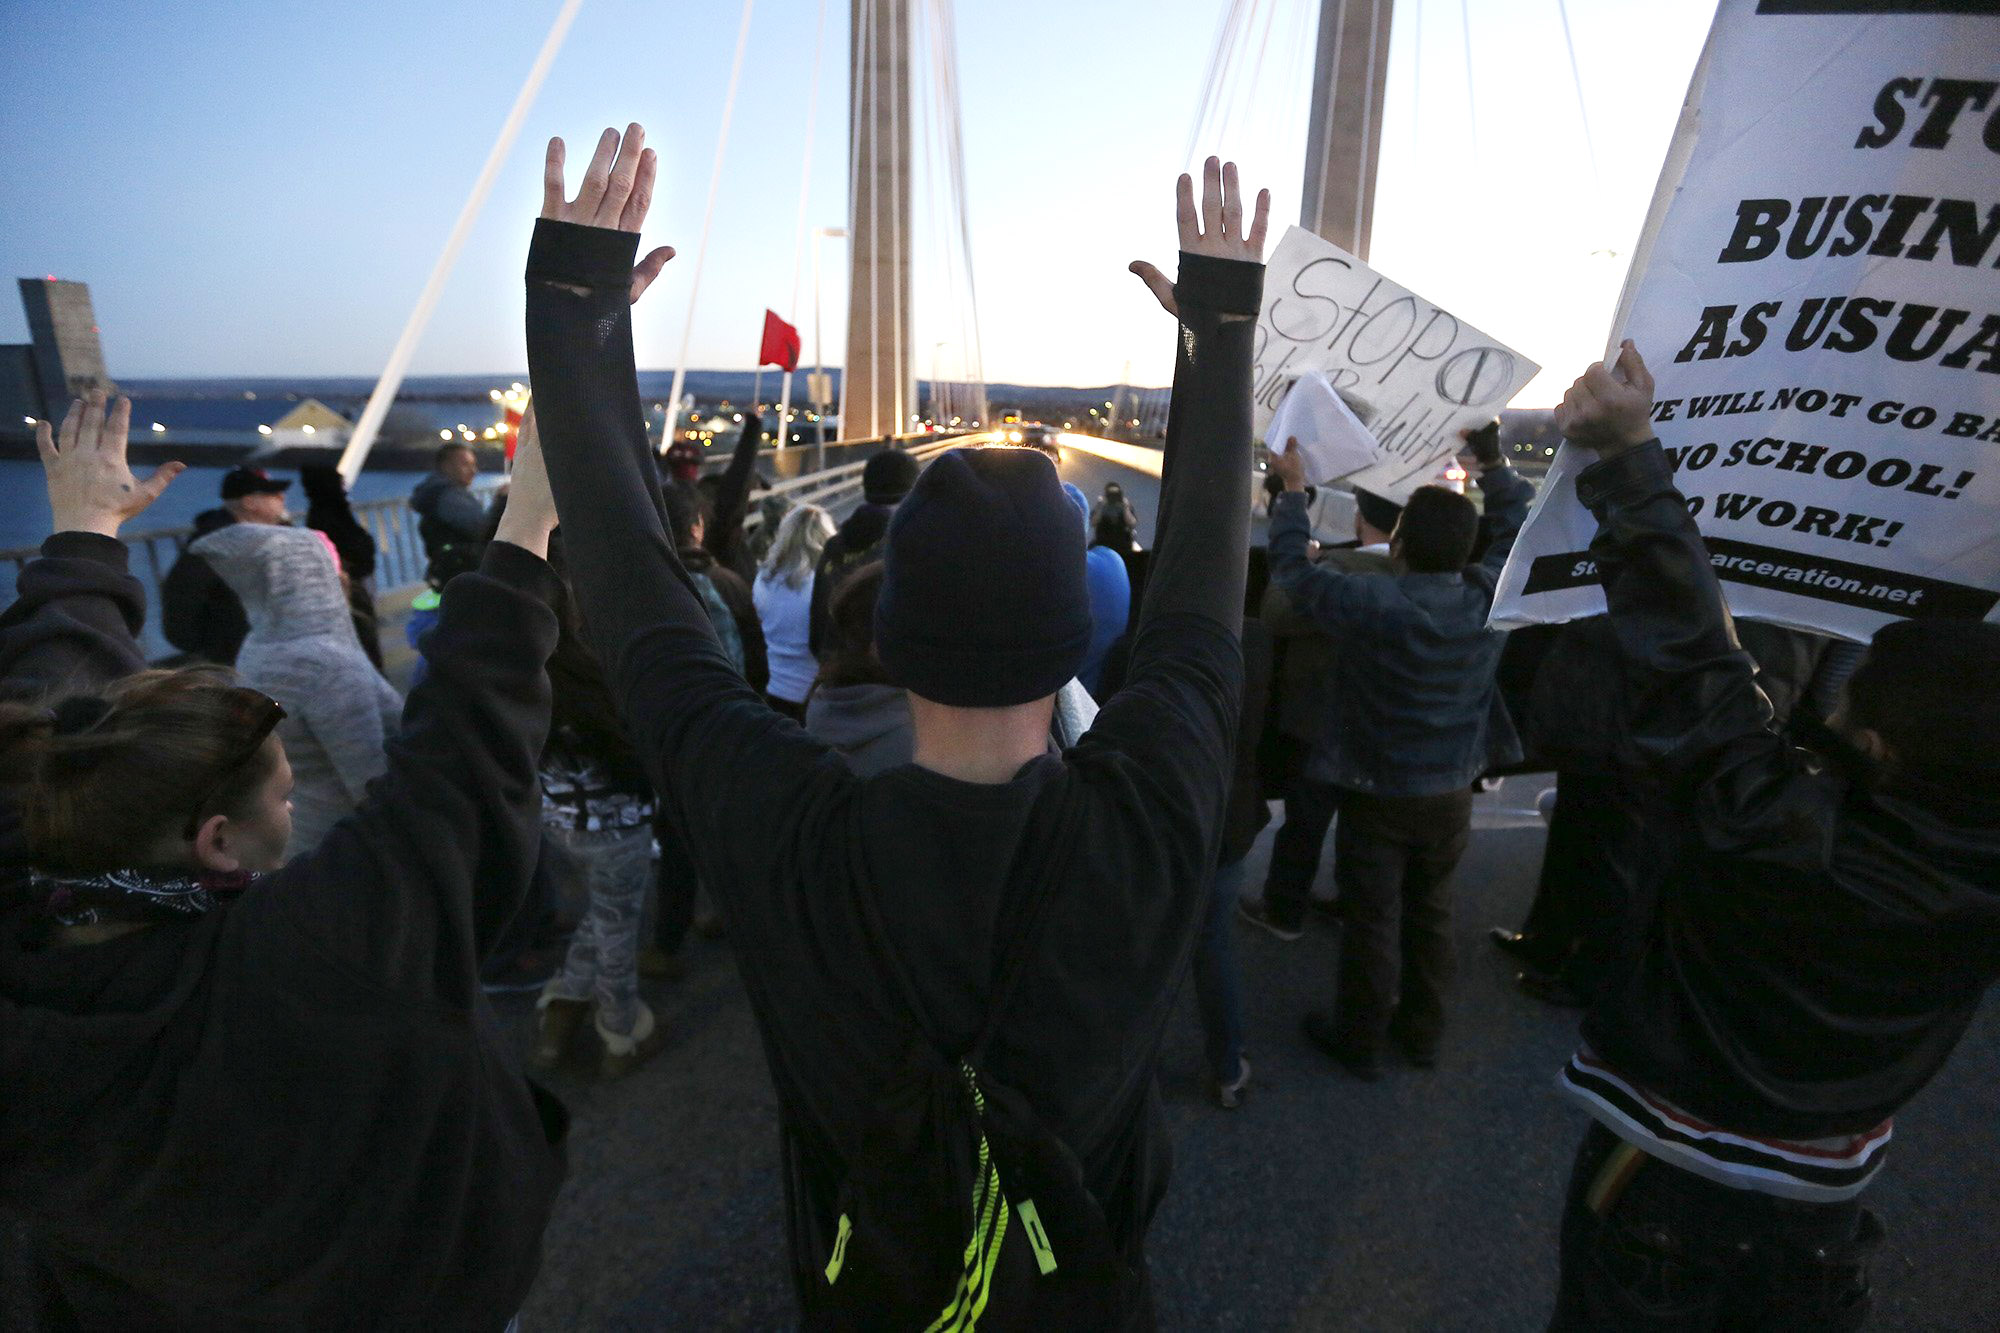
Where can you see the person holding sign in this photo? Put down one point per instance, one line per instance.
(1824, 933)
(1414, 720)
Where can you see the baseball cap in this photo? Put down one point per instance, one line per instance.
(241, 481)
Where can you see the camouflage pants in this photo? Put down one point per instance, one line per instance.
(603, 960)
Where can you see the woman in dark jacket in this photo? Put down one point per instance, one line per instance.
(239, 1095)
(328, 511)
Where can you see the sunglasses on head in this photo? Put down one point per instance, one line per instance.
(258, 715)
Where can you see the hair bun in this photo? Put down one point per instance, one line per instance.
(79, 714)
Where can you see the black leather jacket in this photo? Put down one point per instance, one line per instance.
(1824, 935)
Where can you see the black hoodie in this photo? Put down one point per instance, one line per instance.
(296, 1110)
(198, 612)
(1822, 939)
(858, 541)
(852, 903)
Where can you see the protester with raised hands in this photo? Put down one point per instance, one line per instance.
(239, 1096)
(962, 966)
(1825, 929)
(1413, 719)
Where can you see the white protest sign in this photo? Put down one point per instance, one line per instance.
(1421, 373)
(1818, 302)
(1331, 439)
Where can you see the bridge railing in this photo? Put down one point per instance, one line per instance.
(399, 550)
(836, 486)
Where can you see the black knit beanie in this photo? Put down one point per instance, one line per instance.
(1931, 689)
(983, 601)
(887, 477)
(1380, 512)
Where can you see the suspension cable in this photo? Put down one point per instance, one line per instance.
(707, 218)
(1576, 81)
(363, 439)
(1471, 101)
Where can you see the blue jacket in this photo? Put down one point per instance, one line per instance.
(1414, 711)
(1110, 609)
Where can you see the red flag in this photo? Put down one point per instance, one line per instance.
(781, 344)
(510, 427)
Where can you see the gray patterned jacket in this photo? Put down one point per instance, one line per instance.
(302, 651)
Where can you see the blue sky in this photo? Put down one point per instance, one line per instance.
(261, 189)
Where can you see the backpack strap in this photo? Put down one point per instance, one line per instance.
(1037, 869)
(1025, 944)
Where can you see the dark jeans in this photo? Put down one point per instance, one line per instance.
(1295, 849)
(1393, 859)
(678, 885)
(1595, 898)
(1218, 986)
(535, 925)
(1674, 1251)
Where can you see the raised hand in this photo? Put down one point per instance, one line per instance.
(616, 193)
(530, 515)
(90, 487)
(1289, 466)
(1482, 447)
(1216, 231)
(1609, 410)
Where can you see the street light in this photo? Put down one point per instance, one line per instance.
(818, 380)
(937, 411)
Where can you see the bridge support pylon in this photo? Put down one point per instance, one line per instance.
(878, 380)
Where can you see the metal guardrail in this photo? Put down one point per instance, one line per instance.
(837, 485)
(399, 550)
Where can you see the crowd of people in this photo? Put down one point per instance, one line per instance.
(970, 780)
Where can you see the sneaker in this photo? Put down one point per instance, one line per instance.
(527, 970)
(1550, 990)
(1229, 1095)
(1259, 915)
(1419, 1054)
(555, 1029)
(625, 1053)
(1524, 947)
(1321, 1032)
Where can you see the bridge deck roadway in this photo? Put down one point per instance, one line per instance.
(1425, 1201)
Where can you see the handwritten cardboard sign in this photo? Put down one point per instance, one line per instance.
(1413, 371)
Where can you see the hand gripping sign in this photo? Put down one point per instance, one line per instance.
(1412, 370)
(1817, 295)
(1333, 440)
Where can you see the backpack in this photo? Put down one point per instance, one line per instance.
(961, 1210)
(722, 619)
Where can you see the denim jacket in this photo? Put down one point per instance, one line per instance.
(1414, 711)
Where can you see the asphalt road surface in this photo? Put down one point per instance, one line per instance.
(1424, 1201)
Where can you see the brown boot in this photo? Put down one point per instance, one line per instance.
(659, 965)
(623, 1054)
(555, 1029)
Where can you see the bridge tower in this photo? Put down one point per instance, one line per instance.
(878, 388)
(1344, 138)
